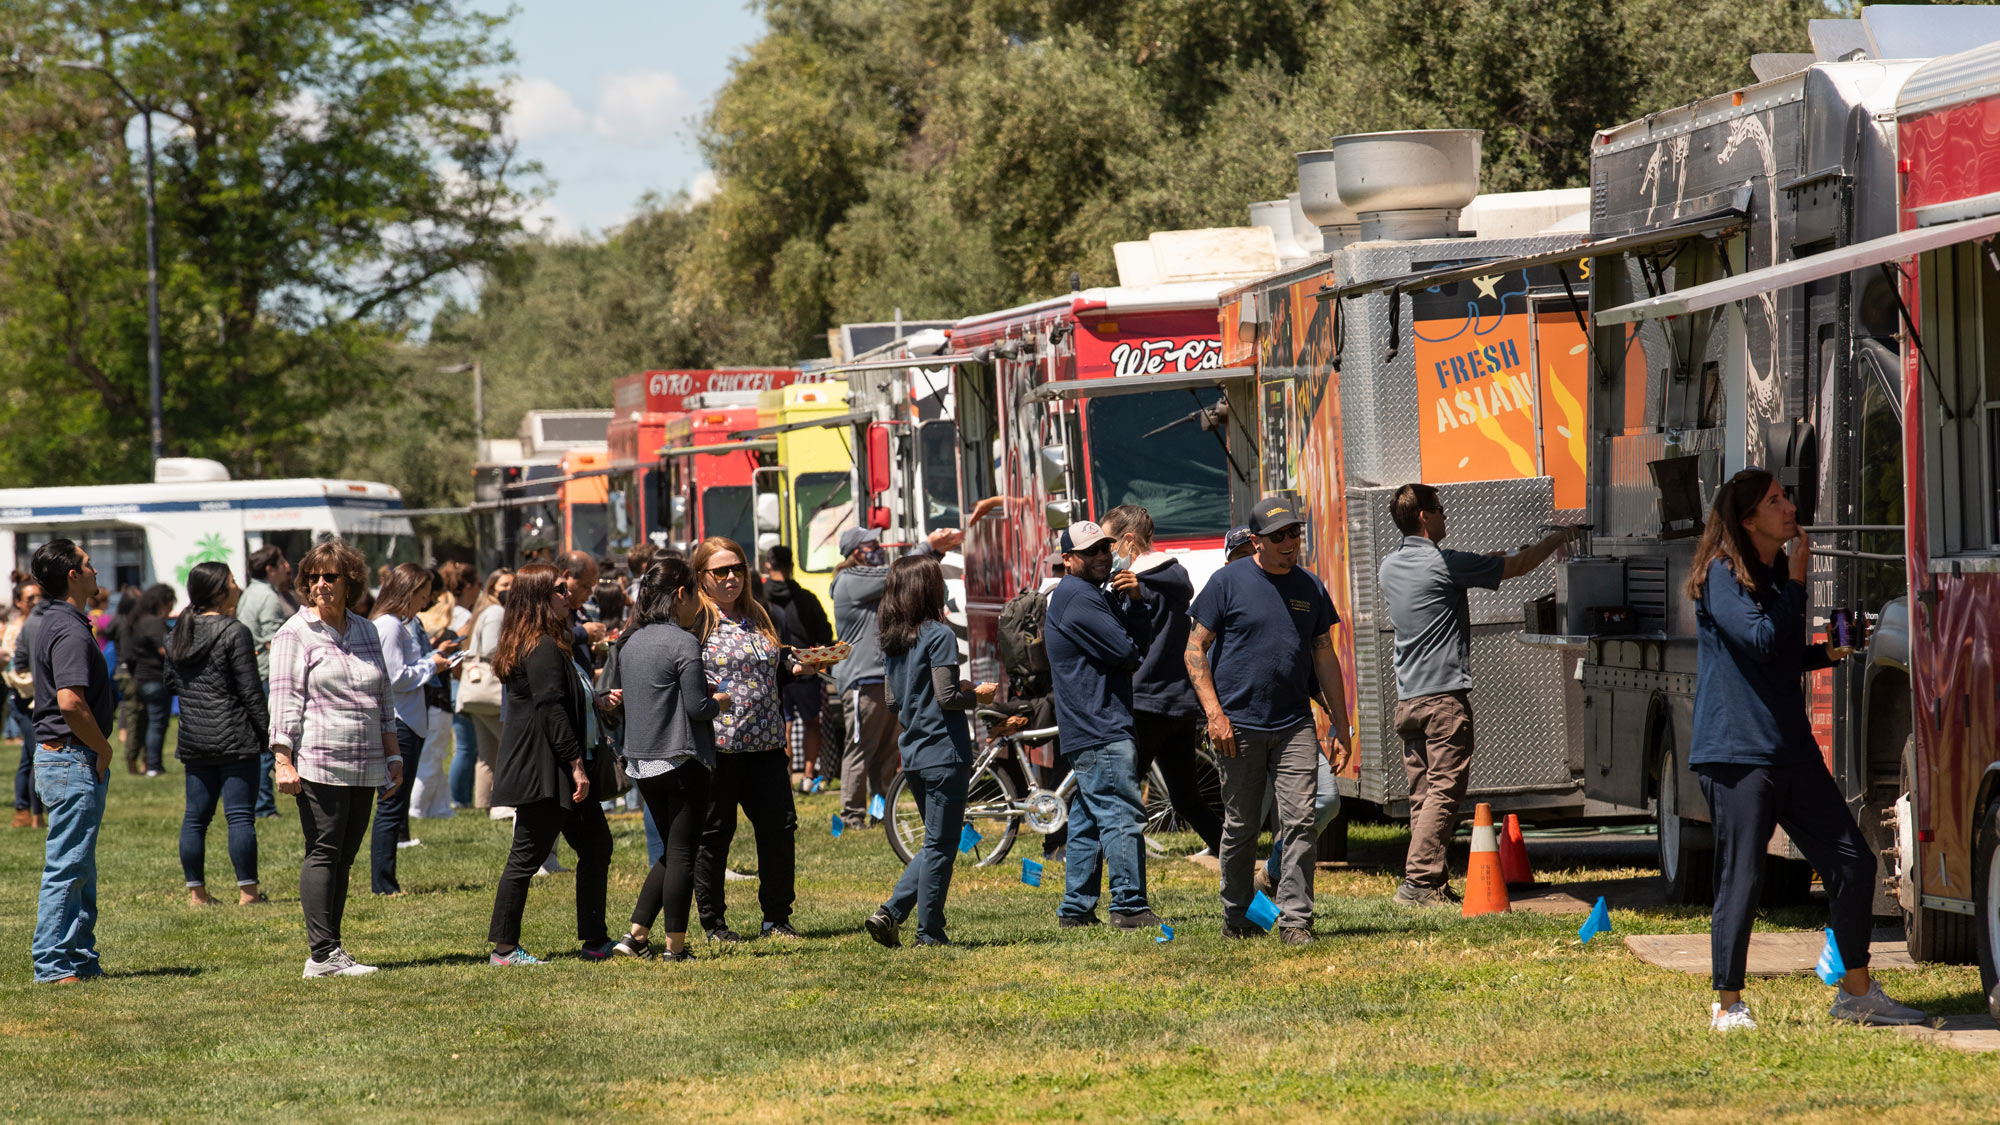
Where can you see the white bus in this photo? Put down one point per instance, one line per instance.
(139, 534)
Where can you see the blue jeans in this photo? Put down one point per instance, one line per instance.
(1326, 806)
(940, 793)
(267, 794)
(234, 784)
(26, 799)
(392, 815)
(654, 845)
(1106, 829)
(465, 755)
(159, 703)
(66, 917)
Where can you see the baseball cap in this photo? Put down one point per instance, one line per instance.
(1236, 537)
(854, 538)
(1274, 513)
(1082, 536)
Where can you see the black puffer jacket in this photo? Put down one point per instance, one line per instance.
(223, 714)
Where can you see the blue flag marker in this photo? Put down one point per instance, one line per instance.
(969, 838)
(1599, 921)
(1031, 872)
(818, 784)
(1263, 913)
(1831, 968)
(1166, 933)
(875, 807)
(839, 825)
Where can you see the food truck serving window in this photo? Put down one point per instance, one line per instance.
(727, 510)
(937, 447)
(1149, 449)
(825, 509)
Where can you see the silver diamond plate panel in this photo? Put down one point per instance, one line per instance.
(1378, 392)
(1519, 720)
(1483, 516)
(1631, 503)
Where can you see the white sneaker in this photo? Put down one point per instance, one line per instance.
(730, 875)
(552, 866)
(500, 812)
(337, 964)
(1875, 1008)
(1737, 1018)
(412, 842)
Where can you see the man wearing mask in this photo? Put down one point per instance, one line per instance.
(1095, 641)
(1166, 715)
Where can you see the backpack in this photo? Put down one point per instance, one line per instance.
(1022, 653)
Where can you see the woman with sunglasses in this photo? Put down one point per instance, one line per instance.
(669, 744)
(542, 771)
(333, 737)
(1754, 750)
(753, 765)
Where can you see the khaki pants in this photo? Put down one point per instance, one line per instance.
(871, 762)
(485, 736)
(1437, 758)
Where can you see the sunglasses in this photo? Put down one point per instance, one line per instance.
(316, 579)
(1093, 552)
(1286, 535)
(737, 570)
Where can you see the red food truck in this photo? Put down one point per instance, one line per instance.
(652, 409)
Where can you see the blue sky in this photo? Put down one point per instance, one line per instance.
(604, 94)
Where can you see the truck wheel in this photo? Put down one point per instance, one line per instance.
(1687, 868)
(1986, 897)
(1933, 935)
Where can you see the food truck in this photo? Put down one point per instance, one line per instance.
(1392, 349)
(804, 487)
(643, 405)
(520, 499)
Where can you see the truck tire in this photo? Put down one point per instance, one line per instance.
(1933, 935)
(1986, 898)
(1687, 868)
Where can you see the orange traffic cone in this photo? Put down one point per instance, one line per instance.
(1514, 854)
(1485, 886)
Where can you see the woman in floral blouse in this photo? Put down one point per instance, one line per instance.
(742, 657)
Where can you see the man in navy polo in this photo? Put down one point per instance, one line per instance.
(72, 762)
(1260, 652)
(1096, 640)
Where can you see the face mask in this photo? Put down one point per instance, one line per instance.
(874, 556)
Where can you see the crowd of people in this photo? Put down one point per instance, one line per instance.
(699, 685)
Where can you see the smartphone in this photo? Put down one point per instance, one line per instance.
(455, 659)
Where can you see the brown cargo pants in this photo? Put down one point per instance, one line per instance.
(1437, 758)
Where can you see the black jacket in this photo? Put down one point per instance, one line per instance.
(543, 730)
(223, 714)
(808, 623)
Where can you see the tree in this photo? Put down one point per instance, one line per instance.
(324, 166)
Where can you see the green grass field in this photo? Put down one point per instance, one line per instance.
(1392, 1016)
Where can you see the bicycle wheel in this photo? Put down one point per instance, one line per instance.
(991, 808)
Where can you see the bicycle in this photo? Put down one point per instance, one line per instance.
(1003, 795)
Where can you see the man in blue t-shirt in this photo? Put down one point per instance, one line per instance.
(1423, 586)
(1261, 651)
(1095, 641)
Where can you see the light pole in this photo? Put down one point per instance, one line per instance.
(145, 111)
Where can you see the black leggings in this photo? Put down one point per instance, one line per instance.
(678, 800)
(1174, 743)
(1745, 802)
(536, 826)
(761, 782)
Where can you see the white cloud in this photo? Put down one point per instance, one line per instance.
(706, 183)
(646, 105)
(541, 109)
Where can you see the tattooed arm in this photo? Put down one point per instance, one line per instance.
(1200, 640)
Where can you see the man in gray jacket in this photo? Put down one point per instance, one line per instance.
(869, 766)
(265, 607)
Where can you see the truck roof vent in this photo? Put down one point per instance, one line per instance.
(1407, 184)
(1320, 203)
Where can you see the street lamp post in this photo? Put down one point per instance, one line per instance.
(478, 394)
(145, 111)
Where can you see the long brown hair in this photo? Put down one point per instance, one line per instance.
(1723, 537)
(914, 595)
(747, 605)
(487, 598)
(405, 593)
(527, 614)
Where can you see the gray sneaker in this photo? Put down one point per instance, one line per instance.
(1875, 1008)
(1418, 895)
(337, 964)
